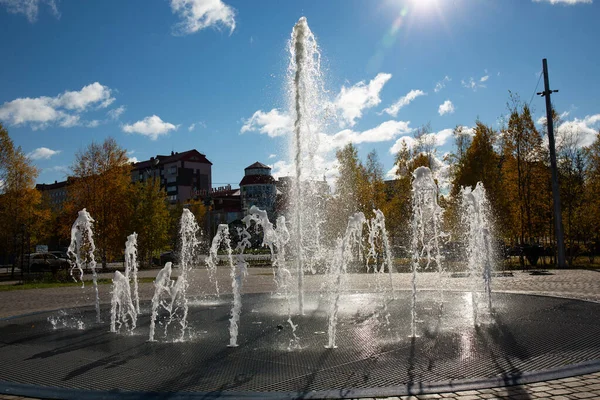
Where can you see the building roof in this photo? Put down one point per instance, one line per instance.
(257, 165)
(174, 157)
(257, 180)
(51, 186)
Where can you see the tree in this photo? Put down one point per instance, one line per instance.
(592, 199)
(375, 185)
(571, 169)
(102, 183)
(527, 178)
(150, 218)
(481, 163)
(425, 146)
(351, 194)
(22, 218)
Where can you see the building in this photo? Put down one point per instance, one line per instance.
(183, 175)
(257, 188)
(54, 194)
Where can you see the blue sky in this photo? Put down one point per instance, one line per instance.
(171, 75)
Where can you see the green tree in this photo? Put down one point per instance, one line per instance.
(349, 197)
(150, 219)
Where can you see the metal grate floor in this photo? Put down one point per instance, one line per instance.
(524, 334)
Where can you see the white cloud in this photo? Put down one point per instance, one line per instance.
(564, 2)
(439, 138)
(194, 125)
(93, 94)
(471, 83)
(403, 101)
(115, 113)
(409, 140)
(385, 131)
(29, 8)
(196, 15)
(42, 153)
(153, 127)
(272, 156)
(484, 78)
(352, 101)
(446, 108)
(133, 160)
(586, 128)
(441, 84)
(272, 123)
(64, 109)
(58, 168)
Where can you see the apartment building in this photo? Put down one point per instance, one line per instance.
(183, 175)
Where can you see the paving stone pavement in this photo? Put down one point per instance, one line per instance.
(578, 284)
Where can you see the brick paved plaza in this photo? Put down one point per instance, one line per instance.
(577, 284)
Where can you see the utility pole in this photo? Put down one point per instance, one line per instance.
(560, 242)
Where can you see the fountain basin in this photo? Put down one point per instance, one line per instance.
(528, 338)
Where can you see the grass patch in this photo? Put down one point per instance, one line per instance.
(45, 284)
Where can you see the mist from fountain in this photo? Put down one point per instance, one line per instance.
(163, 286)
(426, 233)
(339, 267)
(476, 217)
(122, 309)
(222, 236)
(237, 273)
(81, 249)
(131, 267)
(276, 238)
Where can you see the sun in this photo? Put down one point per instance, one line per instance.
(424, 5)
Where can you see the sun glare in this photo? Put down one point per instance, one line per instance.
(424, 5)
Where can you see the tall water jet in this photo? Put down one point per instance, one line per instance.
(163, 286)
(426, 233)
(222, 236)
(377, 232)
(476, 217)
(237, 274)
(304, 77)
(131, 267)
(122, 310)
(342, 256)
(276, 238)
(82, 249)
(178, 307)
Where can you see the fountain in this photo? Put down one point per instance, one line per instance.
(304, 82)
(476, 217)
(131, 267)
(82, 249)
(122, 310)
(276, 238)
(426, 234)
(342, 255)
(224, 349)
(176, 301)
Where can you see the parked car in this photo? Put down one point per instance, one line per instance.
(46, 262)
(166, 257)
(60, 254)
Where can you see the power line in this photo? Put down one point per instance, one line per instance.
(535, 90)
